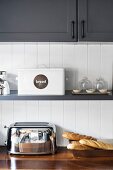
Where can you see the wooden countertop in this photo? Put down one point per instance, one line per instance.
(62, 160)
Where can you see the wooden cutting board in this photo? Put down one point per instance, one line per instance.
(93, 153)
(96, 152)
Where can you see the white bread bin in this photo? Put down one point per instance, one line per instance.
(44, 81)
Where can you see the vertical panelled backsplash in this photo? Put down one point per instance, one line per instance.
(79, 59)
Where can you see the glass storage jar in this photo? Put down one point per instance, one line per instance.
(4, 83)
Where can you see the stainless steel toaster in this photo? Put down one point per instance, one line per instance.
(31, 138)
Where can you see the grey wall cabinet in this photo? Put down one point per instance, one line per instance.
(38, 20)
(56, 20)
(95, 20)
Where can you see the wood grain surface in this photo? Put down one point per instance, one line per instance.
(62, 160)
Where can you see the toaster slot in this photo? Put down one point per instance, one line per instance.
(35, 147)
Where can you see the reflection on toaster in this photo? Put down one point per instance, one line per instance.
(31, 140)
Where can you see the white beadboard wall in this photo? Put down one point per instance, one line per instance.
(79, 59)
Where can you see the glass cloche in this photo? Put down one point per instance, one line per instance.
(85, 84)
(100, 84)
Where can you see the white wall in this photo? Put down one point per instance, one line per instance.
(86, 117)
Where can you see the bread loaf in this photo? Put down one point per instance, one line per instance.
(76, 136)
(96, 144)
(77, 146)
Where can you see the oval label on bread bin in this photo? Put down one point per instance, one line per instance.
(40, 81)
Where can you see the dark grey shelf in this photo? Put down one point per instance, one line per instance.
(68, 96)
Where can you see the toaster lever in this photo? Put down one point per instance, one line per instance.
(52, 138)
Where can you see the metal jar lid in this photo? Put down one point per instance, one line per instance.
(2, 72)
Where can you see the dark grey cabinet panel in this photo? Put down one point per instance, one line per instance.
(38, 20)
(95, 20)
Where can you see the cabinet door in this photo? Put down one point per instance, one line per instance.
(38, 20)
(95, 20)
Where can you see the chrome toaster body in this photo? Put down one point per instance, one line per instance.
(31, 138)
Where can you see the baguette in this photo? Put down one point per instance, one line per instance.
(77, 146)
(75, 136)
(96, 144)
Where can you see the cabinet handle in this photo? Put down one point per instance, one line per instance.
(82, 29)
(73, 29)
